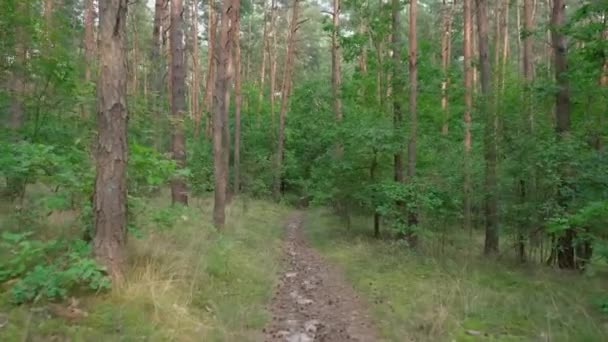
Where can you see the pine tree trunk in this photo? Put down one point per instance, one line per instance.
(265, 50)
(397, 85)
(446, 46)
(411, 149)
(110, 196)
(490, 198)
(468, 101)
(89, 38)
(238, 99)
(285, 92)
(272, 54)
(220, 103)
(336, 76)
(210, 82)
(179, 191)
(196, 113)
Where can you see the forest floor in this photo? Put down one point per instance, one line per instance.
(313, 301)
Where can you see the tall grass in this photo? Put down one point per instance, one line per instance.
(185, 281)
(458, 295)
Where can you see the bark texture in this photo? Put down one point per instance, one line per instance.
(221, 103)
(490, 198)
(179, 190)
(110, 196)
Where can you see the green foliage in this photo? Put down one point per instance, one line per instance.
(48, 270)
(148, 170)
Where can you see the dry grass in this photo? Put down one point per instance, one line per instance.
(425, 296)
(186, 281)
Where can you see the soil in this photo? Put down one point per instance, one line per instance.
(313, 301)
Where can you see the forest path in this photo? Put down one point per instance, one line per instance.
(313, 301)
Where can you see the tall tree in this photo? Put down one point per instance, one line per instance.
(196, 113)
(110, 196)
(179, 190)
(490, 197)
(220, 113)
(468, 104)
(285, 92)
(211, 66)
(238, 98)
(446, 49)
(397, 86)
(336, 77)
(272, 55)
(565, 247)
(89, 37)
(411, 149)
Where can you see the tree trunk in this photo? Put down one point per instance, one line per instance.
(156, 70)
(468, 102)
(565, 243)
(272, 54)
(446, 46)
(285, 92)
(179, 191)
(220, 122)
(208, 100)
(89, 38)
(490, 200)
(110, 196)
(336, 78)
(411, 148)
(265, 50)
(238, 98)
(397, 85)
(196, 113)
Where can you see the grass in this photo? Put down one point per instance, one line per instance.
(459, 296)
(185, 281)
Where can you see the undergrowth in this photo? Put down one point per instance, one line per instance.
(186, 281)
(457, 295)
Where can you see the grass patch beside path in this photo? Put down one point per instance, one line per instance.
(185, 282)
(418, 297)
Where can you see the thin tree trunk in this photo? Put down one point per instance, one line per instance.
(196, 113)
(89, 38)
(411, 149)
(265, 51)
(179, 191)
(285, 92)
(336, 75)
(110, 195)
(397, 85)
(221, 102)
(468, 101)
(273, 60)
(156, 71)
(211, 65)
(490, 200)
(238, 99)
(446, 46)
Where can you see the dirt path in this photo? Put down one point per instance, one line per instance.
(313, 302)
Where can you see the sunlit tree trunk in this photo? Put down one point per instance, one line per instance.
(179, 191)
(110, 195)
(221, 101)
(490, 196)
(285, 92)
(156, 71)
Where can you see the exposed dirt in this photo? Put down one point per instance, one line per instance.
(313, 302)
